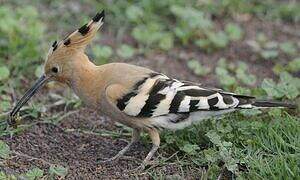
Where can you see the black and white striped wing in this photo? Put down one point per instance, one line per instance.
(158, 95)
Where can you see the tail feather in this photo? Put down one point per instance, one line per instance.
(265, 103)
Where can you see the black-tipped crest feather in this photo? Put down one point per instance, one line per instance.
(99, 16)
(54, 44)
(67, 42)
(84, 30)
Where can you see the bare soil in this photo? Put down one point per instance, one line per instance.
(81, 151)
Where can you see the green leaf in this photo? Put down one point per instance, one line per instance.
(4, 73)
(234, 31)
(255, 46)
(134, 13)
(246, 78)
(39, 70)
(286, 77)
(231, 165)
(219, 39)
(269, 54)
(102, 53)
(148, 34)
(190, 149)
(222, 63)
(125, 51)
(288, 48)
(294, 65)
(4, 150)
(197, 68)
(271, 45)
(227, 144)
(289, 85)
(193, 18)
(224, 77)
(278, 68)
(213, 41)
(166, 42)
(211, 155)
(221, 71)
(271, 88)
(226, 154)
(182, 34)
(261, 38)
(58, 170)
(214, 138)
(203, 44)
(3, 176)
(35, 173)
(243, 91)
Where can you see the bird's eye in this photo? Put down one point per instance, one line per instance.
(54, 70)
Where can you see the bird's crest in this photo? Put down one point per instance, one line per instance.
(80, 38)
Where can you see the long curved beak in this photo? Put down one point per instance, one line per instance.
(29, 93)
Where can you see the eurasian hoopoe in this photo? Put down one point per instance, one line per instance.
(135, 96)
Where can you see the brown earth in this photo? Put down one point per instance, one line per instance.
(77, 144)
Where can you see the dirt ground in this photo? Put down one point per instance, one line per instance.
(64, 144)
(44, 144)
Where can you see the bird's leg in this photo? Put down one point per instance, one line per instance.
(135, 137)
(154, 135)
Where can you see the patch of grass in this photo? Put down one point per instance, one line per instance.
(275, 150)
(252, 149)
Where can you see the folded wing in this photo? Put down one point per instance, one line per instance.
(157, 95)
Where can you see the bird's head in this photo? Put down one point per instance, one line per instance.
(62, 54)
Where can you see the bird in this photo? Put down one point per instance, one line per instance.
(138, 97)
